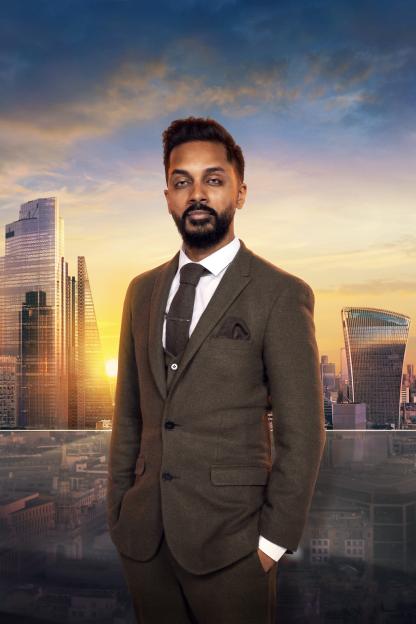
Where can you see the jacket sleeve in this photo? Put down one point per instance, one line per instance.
(291, 362)
(127, 422)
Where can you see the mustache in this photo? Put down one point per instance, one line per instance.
(197, 205)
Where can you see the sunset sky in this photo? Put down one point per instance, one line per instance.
(321, 96)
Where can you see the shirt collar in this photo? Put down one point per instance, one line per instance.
(217, 261)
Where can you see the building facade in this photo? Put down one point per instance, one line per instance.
(52, 374)
(375, 345)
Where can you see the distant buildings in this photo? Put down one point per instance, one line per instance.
(349, 416)
(375, 344)
(328, 374)
(51, 368)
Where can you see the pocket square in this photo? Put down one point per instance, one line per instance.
(233, 327)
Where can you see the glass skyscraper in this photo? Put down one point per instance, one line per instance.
(93, 390)
(51, 369)
(375, 345)
(31, 298)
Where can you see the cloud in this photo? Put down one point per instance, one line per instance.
(95, 72)
(306, 69)
(39, 142)
(139, 93)
(341, 69)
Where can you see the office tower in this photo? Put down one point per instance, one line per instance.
(412, 383)
(404, 394)
(93, 389)
(71, 345)
(36, 371)
(31, 301)
(328, 376)
(48, 332)
(343, 382)
(8, 391)
(375, 344)
(328, 410)
(1, 301)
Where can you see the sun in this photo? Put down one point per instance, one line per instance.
(111, 367)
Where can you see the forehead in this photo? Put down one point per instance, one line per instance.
(195, 156)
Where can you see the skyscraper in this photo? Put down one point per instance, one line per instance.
(32, 272)
(375, 344)
(343, 382)
(8, 391)
(51, 368)
(93, 389)
(327, 373)
(37, 381)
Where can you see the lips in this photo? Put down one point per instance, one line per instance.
(198, 213)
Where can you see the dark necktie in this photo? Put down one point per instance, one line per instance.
(179, 317)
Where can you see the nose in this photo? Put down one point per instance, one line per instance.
(197, 193)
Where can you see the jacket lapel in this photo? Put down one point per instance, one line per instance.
(234, 280)
(158, 302)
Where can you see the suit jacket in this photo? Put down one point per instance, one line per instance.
(190, 455)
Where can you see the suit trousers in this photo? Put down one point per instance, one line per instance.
(163, 592)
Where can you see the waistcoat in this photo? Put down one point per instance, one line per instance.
(170, 373)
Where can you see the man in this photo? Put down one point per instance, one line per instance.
(210, 341)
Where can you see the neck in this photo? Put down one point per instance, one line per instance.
(196, 254)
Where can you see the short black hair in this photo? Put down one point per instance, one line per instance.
(201, 129)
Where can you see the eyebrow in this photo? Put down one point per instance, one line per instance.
(208, 170)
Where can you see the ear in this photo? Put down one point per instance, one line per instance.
(166, 193)
(242, 192)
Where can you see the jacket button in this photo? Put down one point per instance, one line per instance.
(166, 476)
(169, 424)
(174, 366)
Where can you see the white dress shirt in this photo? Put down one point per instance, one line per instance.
(216, 263)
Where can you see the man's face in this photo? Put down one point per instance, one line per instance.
(203, 193)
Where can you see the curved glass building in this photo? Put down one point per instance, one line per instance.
(375, 345)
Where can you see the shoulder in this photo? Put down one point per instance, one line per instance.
(276, 280)
(143, 283)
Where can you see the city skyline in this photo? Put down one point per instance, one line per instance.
(54, 351)
(111, 351)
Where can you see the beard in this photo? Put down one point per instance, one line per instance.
(203, 235)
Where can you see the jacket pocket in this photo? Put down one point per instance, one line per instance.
(220, 344)
(239, 475)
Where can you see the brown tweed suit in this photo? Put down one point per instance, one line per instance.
(222, 489)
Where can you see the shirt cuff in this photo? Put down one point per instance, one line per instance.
(273, 550)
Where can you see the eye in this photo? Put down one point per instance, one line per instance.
(215, 181)
(180, 183)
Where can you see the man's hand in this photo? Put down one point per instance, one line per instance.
(266, 561)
